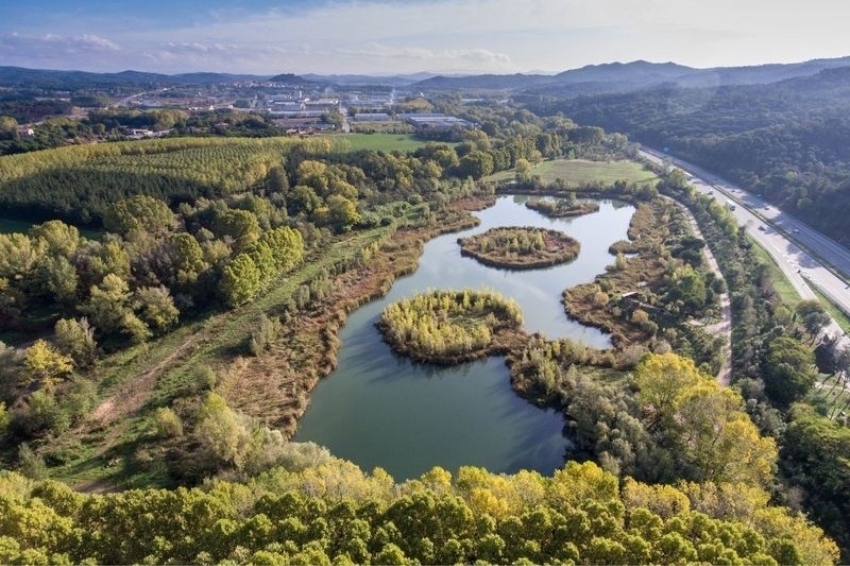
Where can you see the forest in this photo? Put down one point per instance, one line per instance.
(786, 141)
(178, 347)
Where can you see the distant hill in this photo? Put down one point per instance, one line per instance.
(369, 80)
(624, 77)
(591, 79)
(53, 79)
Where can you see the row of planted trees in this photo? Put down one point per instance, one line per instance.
(774, 369)
(330, 511)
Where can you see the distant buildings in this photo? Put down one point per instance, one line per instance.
(435, 121)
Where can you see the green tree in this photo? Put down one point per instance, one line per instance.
(108, 303)
(343, 212)
(475, 164)
(241, 226)
(45, 365)
(59, 238)
(221, 431)
(139, 214)
(789, 371)
(76, 339)
(241, 280)
(156, 307)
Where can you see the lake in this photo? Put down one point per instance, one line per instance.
(378, 409)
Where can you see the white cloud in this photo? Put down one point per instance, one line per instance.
(16, 42)
(463, 35)
(481, 59)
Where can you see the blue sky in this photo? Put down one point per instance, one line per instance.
(396, 36)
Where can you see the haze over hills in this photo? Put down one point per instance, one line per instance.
(608, 77)
(637, 74)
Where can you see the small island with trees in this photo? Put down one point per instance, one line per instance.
(562, 208)
(449, 327)
(520, 248)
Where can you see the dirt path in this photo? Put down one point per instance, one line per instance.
(724, 325)
(132, 394)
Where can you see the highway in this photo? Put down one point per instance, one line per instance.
(801, 252)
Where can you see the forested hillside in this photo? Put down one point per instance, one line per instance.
(788, 141)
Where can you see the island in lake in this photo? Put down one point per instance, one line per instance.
(449, 327)
(520, 248)
(562, 208)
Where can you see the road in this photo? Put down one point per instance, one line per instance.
(800, 251)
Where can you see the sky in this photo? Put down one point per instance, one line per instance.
(382, 37)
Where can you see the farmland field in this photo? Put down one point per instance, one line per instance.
(382, 142)
(579, 172)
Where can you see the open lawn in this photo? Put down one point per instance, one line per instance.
(577, 172)
(381, 142)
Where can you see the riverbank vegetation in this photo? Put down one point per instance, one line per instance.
(520, 248)
(449, 327)
(647, 297)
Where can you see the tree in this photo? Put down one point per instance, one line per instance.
(59, 238)
(661, 379)
(343, 212)
(287, 246)
(241, 226)
(76, 339)
(107, 303)
(475, 164)
(788, 370)
(139, 214)
(45, 365)
(59, 278)
(8, 128)
(156, 307)
(241, 280)
(523, 169)
(187, 258)
(717, 441)
(220, 430)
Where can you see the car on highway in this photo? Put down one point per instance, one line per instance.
(762, 228)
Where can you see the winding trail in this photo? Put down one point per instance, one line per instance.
(724, 325)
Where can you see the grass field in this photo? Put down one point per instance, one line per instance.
(382, 142)
(579, 171)
(781, 284)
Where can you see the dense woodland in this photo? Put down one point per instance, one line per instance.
(324, 511)
(787, 141)
(196, 232)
